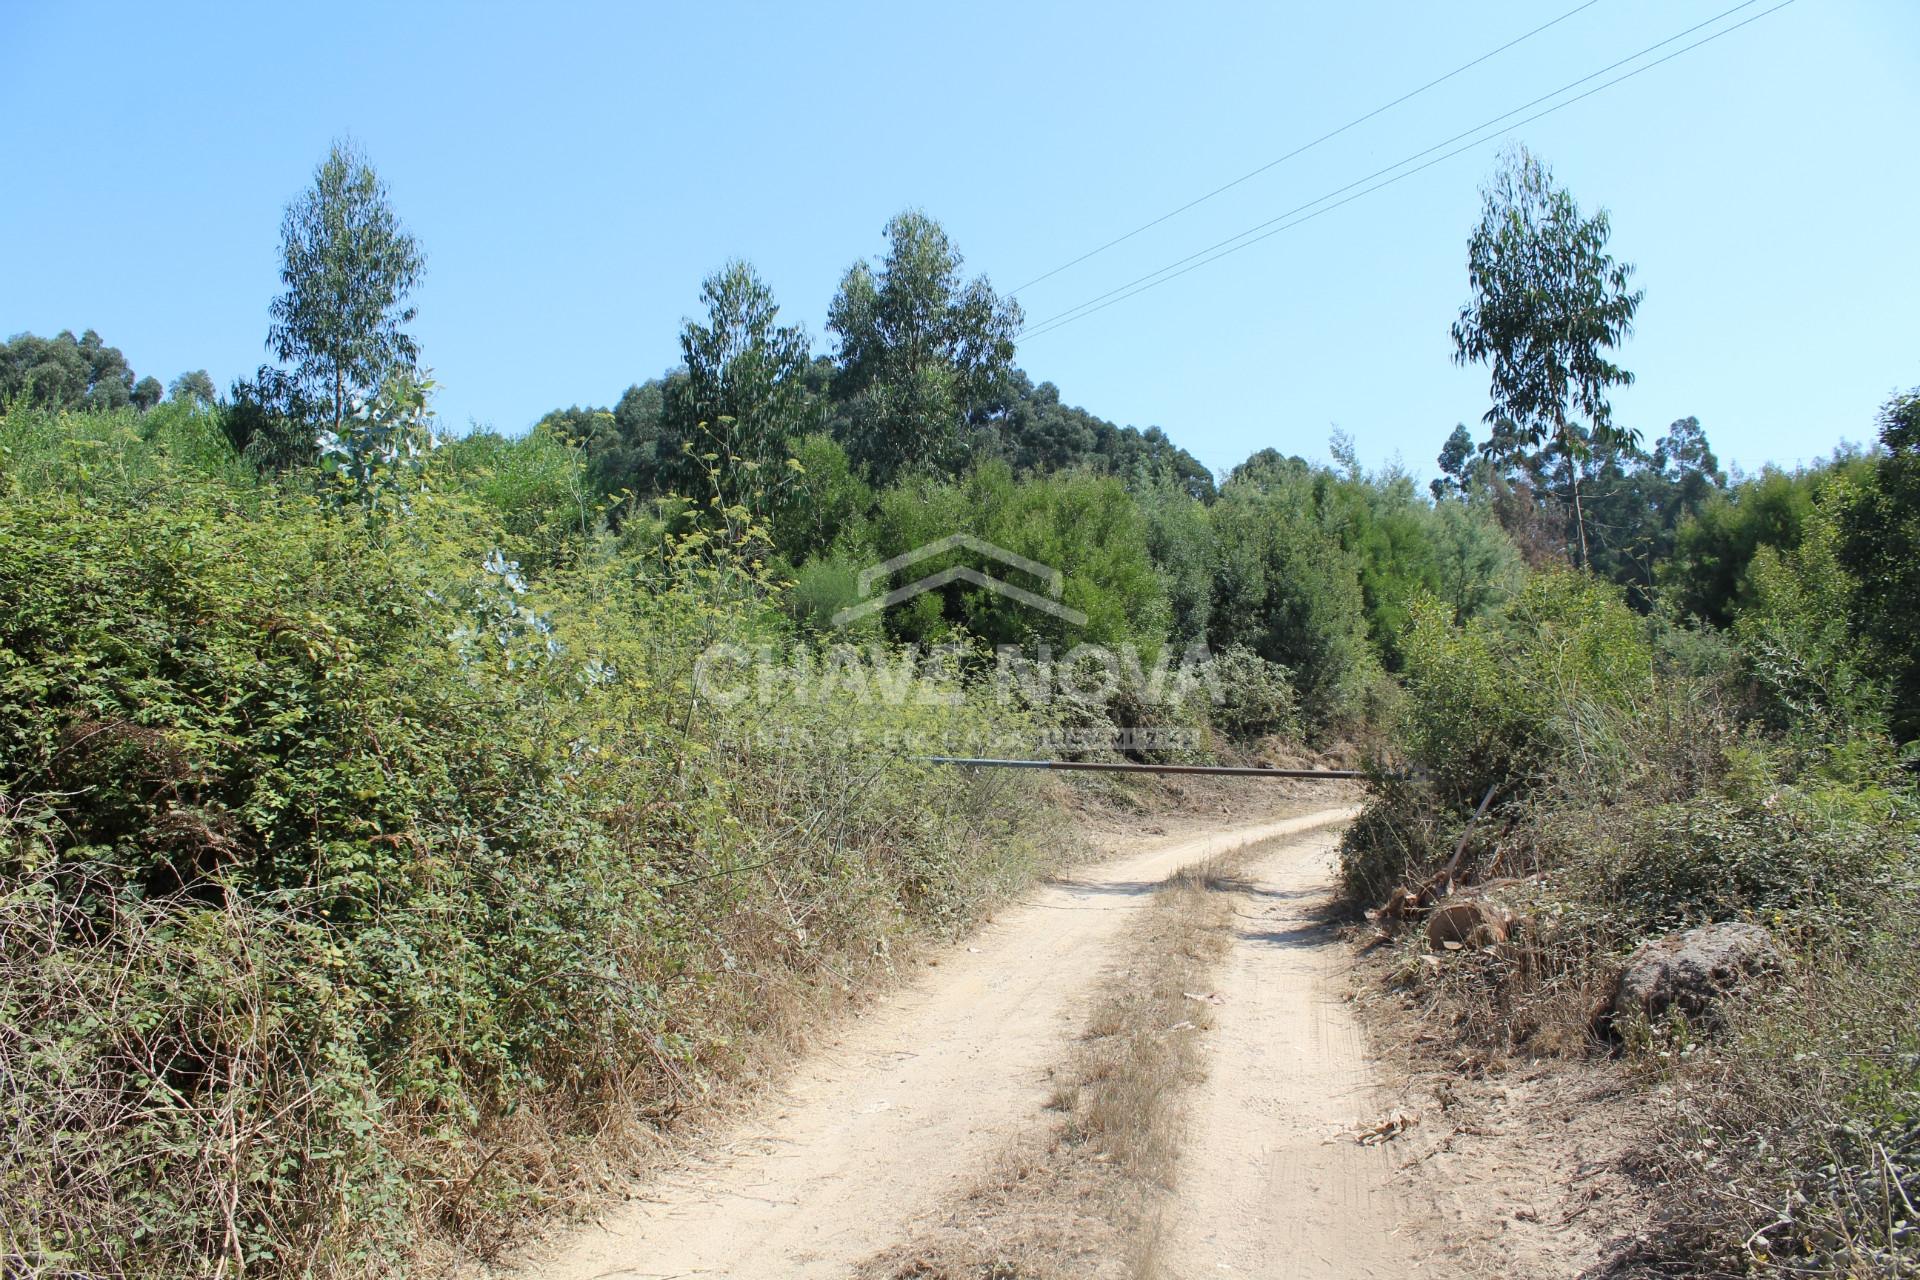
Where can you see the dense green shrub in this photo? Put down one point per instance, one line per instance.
(1708, 574)
(1879, 544)
(1085, 526)
(531, 491)
(357, 877)
(138, 454)
(1490, 703)
(1804, 860)
(1251, 697)
(1285, 589)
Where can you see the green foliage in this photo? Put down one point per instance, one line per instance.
(353, 872)
(531, 491)
(1493, 702)
(348, 267)
(1456, 464)
(1796, 632)
(1036, 432)
(271, 421)
(64, 372)
(1651, 778)
(1085, 526)
(1795, 858)
(1879, 545)
(195, 388)
(1286, 589)
(1475, 564)
(825, 498)
(743, 397)
(1252, 697)
(1549, 303)
(1715, 548)
(1180, 541)
(621, 445)
(1400, 545)
(379, 453)
(923, 352)
(139, 454)
(821, 589)
(1636, 504)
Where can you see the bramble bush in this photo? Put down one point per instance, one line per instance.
(369, 875)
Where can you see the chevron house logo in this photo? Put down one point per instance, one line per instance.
(876, 671)
(1051, 580)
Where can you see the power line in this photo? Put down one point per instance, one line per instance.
(1305, 147)
(1164, 274)
(1128, 289)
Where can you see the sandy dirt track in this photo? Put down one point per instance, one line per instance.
(916, 1097)
(1273, 1182)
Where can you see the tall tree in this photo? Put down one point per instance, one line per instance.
(195, 387)
(348, 266)
(744, 395)
(923, 352)
(1456, 465)
(1880, 544)
(1549, 302)
(64, 372)
(1636, 504)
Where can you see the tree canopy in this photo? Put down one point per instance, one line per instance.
(65, 372)
(348, 266)
(1549, 303)
(923, 351)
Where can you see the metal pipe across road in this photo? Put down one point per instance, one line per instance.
(1091, 766)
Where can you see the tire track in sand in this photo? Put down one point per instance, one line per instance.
(1272, 1181)
(907, 1107)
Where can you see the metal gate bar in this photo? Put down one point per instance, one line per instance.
(1090, 766)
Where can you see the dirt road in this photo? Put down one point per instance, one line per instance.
(1273, 1181)
(920, 1092)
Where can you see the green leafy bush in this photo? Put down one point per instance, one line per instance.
(1492, 702)
(359, 878)
(1251, 697)
(1286, 590)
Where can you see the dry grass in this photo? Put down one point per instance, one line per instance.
(1792, 1147)
(1083, 1198)
(1523, 1149)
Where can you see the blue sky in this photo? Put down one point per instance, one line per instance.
(573, 171)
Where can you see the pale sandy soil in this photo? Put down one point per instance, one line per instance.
(910, 1105)
(1274, 1180)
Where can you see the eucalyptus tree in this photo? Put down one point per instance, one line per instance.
(742, 401)
(1549, 303)
(923, 352)
(195, 387)
(1456, 465)
(348, 266)
(64, 372)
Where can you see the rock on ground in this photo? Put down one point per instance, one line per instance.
(1691, 971)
